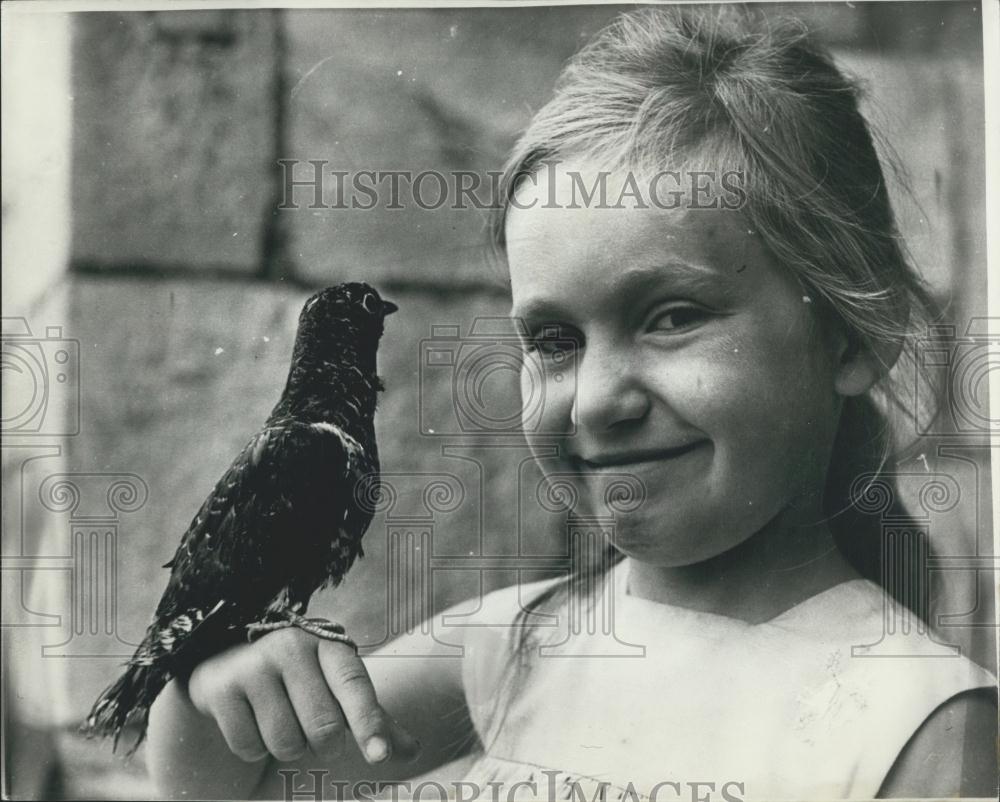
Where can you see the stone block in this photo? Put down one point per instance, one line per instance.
(929, 120)
(174, 138)
(413, 90)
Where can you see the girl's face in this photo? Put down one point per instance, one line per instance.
(700, 367)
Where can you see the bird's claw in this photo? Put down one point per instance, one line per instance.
(320, 627)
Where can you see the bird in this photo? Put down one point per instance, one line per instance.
(286, 518)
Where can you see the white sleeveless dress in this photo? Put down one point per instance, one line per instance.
(686, 704)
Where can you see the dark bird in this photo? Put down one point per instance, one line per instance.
(283, 521)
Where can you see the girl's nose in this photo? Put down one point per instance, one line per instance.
(609, 390)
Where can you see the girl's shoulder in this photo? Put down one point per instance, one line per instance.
(883, 670)
(879, 649)
(952, 754)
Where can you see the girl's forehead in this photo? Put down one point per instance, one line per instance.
(619, 236)
(560, 248)
(612, 212)
(596, 183)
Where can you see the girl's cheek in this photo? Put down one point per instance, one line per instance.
(547, 397)
(560, 396)
(736, 391)
(704, 381)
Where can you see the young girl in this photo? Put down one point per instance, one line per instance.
(731, 296)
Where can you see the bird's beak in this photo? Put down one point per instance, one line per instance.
(388, 307)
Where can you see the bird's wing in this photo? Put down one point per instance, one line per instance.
(290, 483)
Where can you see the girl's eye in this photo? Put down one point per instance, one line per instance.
(552, 342)
(679, 318)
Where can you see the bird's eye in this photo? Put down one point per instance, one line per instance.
(369, 303)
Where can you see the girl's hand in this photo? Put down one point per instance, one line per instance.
(290, 691)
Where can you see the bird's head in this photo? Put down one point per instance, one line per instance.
(356, 304)
(339, 328)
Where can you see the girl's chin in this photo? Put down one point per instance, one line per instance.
(654, 553)
(640, 499)
(646, 542)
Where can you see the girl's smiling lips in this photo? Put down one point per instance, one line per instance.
(632, 459)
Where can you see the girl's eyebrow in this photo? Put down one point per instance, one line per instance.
(678, 275)
(536, 309)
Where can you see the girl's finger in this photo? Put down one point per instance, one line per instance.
(235, 720)
(404, 745)
(319, 714)
(203, 685)
(276, 720)
(348, 679)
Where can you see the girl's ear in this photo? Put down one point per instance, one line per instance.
(860, 365)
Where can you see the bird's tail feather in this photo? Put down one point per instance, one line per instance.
(126, 700)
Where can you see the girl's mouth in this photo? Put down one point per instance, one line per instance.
(626, 460)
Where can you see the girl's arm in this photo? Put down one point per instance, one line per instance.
(953, 754)
(293, 702)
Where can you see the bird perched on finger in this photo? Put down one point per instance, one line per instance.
(285, 519)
